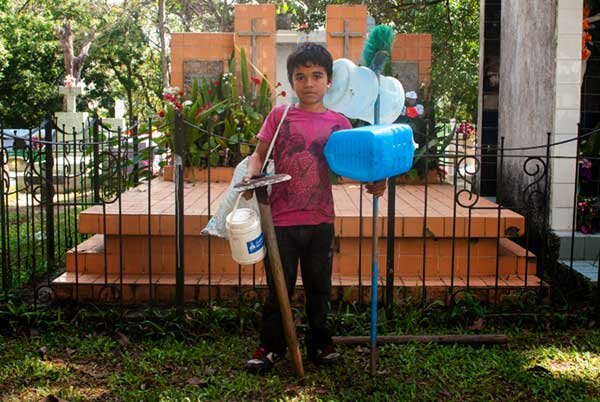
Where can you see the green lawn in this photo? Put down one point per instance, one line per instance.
(200, 358)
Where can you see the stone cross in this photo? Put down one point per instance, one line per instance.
(70, 94)
(346, 35)
(254, 34)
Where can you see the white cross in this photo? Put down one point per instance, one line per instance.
(70, 94)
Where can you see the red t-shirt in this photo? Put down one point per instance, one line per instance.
(306, 199)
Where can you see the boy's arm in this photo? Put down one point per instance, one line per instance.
(255, 163)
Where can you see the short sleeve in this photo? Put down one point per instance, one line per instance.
(344, 123)
(269, 126)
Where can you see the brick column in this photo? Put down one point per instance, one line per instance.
(193, 46)
(356, 16)
(415, 48)
(264, 16)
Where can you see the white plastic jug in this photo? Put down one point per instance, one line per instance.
(246, 239)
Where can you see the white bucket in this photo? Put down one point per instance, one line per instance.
(246, 239)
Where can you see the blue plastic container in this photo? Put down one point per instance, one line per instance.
(371, 153)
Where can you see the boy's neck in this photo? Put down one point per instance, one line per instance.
(314, 107)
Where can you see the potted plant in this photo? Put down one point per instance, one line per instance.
(221, 120)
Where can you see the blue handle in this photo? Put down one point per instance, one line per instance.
(374, 278)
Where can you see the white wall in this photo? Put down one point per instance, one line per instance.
(567, 111)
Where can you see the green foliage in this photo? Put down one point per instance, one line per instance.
(30, 68)
(222, 117)
(454, 26)
(122, 64)
(156, 355)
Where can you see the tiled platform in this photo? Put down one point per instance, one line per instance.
(480, 222)
(123, 244)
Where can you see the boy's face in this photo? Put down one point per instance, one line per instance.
(310, 84)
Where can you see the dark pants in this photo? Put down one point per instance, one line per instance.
(311, 245)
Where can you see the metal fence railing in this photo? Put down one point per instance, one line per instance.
(50, 175)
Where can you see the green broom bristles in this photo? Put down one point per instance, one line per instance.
(380, 39)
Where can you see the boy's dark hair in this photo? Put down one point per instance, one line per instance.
(310, 54)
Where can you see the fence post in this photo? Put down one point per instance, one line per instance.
(48, 197)
(391, 242)
(178, 179)
(96, 156)
(3, 223)
(134, 135)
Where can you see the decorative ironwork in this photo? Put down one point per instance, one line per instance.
(45, 294)
(466, 174)
(109, 293)
(534, 166)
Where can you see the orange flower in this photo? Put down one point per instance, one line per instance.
(586, 12)
(586, 25)
(585, 53)
(161, 114)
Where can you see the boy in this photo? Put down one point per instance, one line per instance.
(302, 208)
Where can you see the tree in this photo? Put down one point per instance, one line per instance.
(162, 34)
(125, 62)
(31, 69)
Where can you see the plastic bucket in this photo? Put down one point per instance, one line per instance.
(246, 239)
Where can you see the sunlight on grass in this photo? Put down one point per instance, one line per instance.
(569, 363)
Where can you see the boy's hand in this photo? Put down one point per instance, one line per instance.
(249, 193)
(377, 188)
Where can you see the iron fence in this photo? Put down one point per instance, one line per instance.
(50, 176)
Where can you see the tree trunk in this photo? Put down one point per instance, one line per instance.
(164, 62)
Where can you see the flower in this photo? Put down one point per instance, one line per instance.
(411, 112)
(588, 211)
(585, 170)
(467, 131)
(161, 113)
(69, 81)
(283, 93)
(255, 80)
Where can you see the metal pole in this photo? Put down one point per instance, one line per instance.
(49, 197)
(374, 266)
(178, 179)
(96, 161)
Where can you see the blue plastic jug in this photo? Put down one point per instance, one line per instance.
(371, 153)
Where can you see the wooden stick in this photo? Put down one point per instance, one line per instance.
(444, 339)
(287, 319)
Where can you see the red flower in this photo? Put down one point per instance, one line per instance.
(161, 114)
(278, 85)
(255, 80)
(180, 93)
(210, 91)
(411, 112)
(216, 83)
(283, 93)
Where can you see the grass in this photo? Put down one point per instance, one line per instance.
(152, 355)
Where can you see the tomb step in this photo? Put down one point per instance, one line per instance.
(136, 288)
